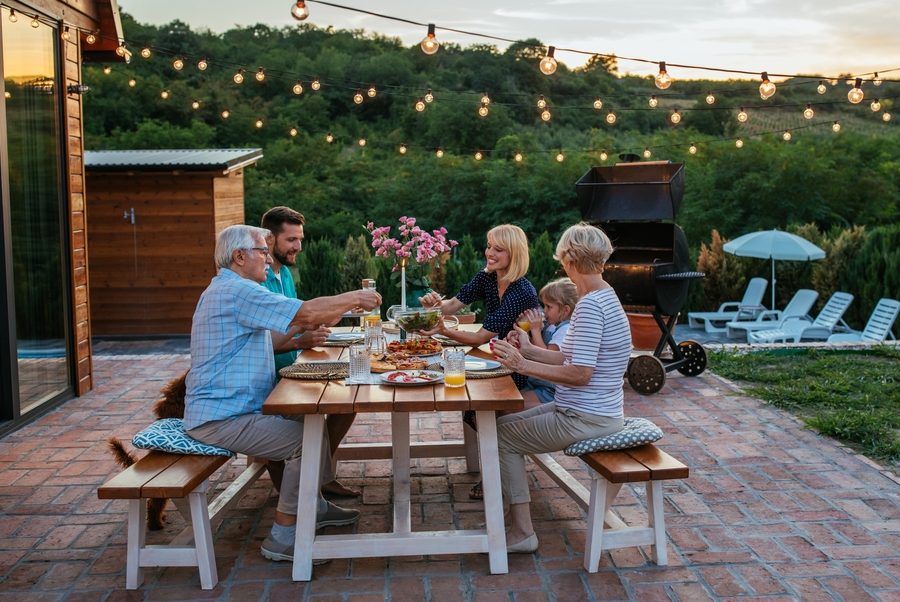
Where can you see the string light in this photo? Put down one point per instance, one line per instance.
(653, 102)
(439, 153)
(710, 99)
(429, 44)
(402, 149)
(478, 156)
(786, 136)
(876, 81)
(357, 97)
(742, 116)
(603, 155)
(120, 49)
(238, 76)
(13, 17)
(202, 64)
(766, 88)
(146, 53)
(692, 149)
(821, 88)
(259, 123)
(485, 99)
(541, 103)
(808, 112)
(107, 70)
(483, 110)
(545, 115)
(65, 34)
(518, 157)
(675, 117)
(598, 104)
(34, 22)
(362, 142)
(299, 10)
(610, 118)
(548, 64)
(371, 92)
(836, 127)
(195, 105)
(293, 132)
(315, 85)
(739, 143)
(297, 88)
(164, 94)
(260, 75)
(885, 117)
(560, 157)
(875, 106)
(420, 105)
(132, 82)
(329, 138)
(178, 64)
(429, 96)
(855, 95)
(647, 154)
(662, 80)
(90, 38)
(226, 114)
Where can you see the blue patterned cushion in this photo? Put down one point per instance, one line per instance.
(637, 431)
(168, 435)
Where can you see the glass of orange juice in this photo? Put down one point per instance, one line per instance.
(524, 325)
(454, 367)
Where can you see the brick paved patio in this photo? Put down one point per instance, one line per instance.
(771, 511)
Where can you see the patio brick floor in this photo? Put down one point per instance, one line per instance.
(771, 511)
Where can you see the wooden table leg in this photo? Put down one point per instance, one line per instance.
(493, 496)
(313, 433)
(400, 455)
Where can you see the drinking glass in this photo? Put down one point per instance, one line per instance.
(360, 364)
(455, 367)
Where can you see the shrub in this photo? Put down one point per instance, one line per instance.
(542, 268)
(873, 273)
(358, 263)
(840, 250)
(725, 279)
(319, 268)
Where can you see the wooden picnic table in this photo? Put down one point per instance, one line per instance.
(314, 399)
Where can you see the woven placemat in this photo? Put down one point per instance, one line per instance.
(316, 371)
(476, 374)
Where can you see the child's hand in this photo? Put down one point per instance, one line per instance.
(535, 317)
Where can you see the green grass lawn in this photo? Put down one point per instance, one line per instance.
(853, 396)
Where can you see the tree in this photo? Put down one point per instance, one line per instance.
(357, 263)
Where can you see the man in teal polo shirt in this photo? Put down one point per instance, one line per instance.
(285, 243)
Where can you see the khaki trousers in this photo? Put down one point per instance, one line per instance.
(540, 430)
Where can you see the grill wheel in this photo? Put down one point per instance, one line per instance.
(694, 356)
(646, 374)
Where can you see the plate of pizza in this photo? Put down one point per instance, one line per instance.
(411, 378)
(418, 346)
(398, 360)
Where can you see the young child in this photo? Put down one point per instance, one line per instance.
(558, 298)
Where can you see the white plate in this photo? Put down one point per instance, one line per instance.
(476, 365)
(427, 377)
(345, 336)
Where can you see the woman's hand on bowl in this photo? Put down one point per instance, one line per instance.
(432, 299)
(508, 355)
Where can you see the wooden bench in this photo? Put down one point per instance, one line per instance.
(609, 471)
(184, 479)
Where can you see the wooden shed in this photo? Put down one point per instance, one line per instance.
(153, 217)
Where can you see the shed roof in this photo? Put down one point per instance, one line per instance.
(208, 159)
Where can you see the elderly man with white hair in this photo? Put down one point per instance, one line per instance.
(233, 371)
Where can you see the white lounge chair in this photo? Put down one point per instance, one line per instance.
(799, 329)
(747, 308)
(797, 307)
(877, 329)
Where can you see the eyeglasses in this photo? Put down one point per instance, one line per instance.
(263, 250)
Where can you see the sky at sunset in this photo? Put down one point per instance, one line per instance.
(828, 37)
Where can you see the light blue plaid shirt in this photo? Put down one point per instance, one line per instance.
(232, 365)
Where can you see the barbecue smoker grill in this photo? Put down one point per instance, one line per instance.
(650, 267)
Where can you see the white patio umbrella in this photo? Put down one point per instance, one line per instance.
(774, 244)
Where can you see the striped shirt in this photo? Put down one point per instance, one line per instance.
(232, 364)
(599, 337)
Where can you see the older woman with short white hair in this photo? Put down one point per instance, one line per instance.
(588, 372)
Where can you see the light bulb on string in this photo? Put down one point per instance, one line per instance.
(439, 153)
(293, 132)
(34, 22)
(178, 64)
(598, 104)
(710, 99)
(518, 157)
(545, 115)
(786, 136)
(483, 110)
(875, 106)
(876, 81)
(371, 92)
(603, 155)
(107, 70)
(259, 123)
(195, 105)
(808, 112)
(297, 88)
(402, 150)
(225, 113)
(833, 82)
(610, 118)
(13, 17)
(885, 117)
(653, 102)
(315, 85)
(90, 38)
(855, 95)
(65, 34)
(560, 157)
(739, 143)
(548, 64)
(836, 127)
(164, 94)
(357, 97)
(821, 88)
(742, 116)
(238, 76)
(675, 117)
(132, 83)
(429, 44)
(146, 53)
(478, 156)
(647, 153)
(429, 96)
(485, 99)
(662, 80)
(541, 103)
(203, 64)
(260, 75)
(362, 142)
(299, 10)
(692, 149)
(420, 105)
(329, 137)
(766, 88)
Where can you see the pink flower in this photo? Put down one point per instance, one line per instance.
(412, 241)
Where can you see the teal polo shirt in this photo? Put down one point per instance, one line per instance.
(285, 287)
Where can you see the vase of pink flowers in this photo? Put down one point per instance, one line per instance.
(414, 252)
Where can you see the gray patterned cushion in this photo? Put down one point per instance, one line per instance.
(637, 431)
(168, 435)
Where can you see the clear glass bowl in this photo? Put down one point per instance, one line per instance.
(416, 319)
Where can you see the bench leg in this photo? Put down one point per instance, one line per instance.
(137, 530)
(657, 521)
(596, 513)
(206, 557)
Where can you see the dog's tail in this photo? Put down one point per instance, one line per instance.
(122, 456)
